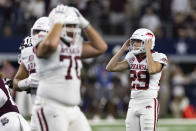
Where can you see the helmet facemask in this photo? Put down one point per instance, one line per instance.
(137, 49)
(70, 33)
(141, 35)
(71, 30)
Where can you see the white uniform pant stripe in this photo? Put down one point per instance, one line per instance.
(156, 110)
(42, 120)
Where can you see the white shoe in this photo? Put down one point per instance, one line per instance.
(96, 119)
(110, 118)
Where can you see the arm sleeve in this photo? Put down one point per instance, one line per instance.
(127, 57)
(161, 58)
(22, 58)
(3, 98)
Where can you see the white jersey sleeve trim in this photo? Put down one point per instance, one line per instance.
(128, 56)
(161, 58)
(3, 98)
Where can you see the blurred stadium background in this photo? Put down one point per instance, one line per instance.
(106, 95)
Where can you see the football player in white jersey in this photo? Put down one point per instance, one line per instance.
(10, 119)
(58, 59)
(145, 68)
(26, 78)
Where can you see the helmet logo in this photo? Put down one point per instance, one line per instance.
(131, 60)
(31, 58)
(150, 34)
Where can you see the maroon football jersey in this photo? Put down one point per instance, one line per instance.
(9, 105)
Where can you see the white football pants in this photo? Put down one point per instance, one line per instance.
(50, 116)
(13, 121)
(142, 115)
(23, 101)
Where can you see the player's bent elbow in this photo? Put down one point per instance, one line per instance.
(109, 69)
(103, 49)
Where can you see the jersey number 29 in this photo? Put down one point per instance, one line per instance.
(141, 77)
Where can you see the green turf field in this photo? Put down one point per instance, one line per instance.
(160, 128)
(164, 125)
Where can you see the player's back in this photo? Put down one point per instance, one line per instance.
(143, 84)
(59, 74)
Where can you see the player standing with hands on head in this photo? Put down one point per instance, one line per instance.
(58, 60)
(145, 67)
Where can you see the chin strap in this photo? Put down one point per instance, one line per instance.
(136, 52)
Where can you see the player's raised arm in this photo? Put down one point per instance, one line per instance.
(51, 41)
(153, 66)
(22, 74)
(114, 64)
(95, 44)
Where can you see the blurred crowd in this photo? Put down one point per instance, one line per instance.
(106, 94)
(166, 18)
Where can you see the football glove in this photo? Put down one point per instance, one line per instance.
(84, 23)
(57, 15)
(28, 83)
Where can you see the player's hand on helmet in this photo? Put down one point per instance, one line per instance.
(126, 45)
(84, 23)
(58, 15)
(148, 43)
